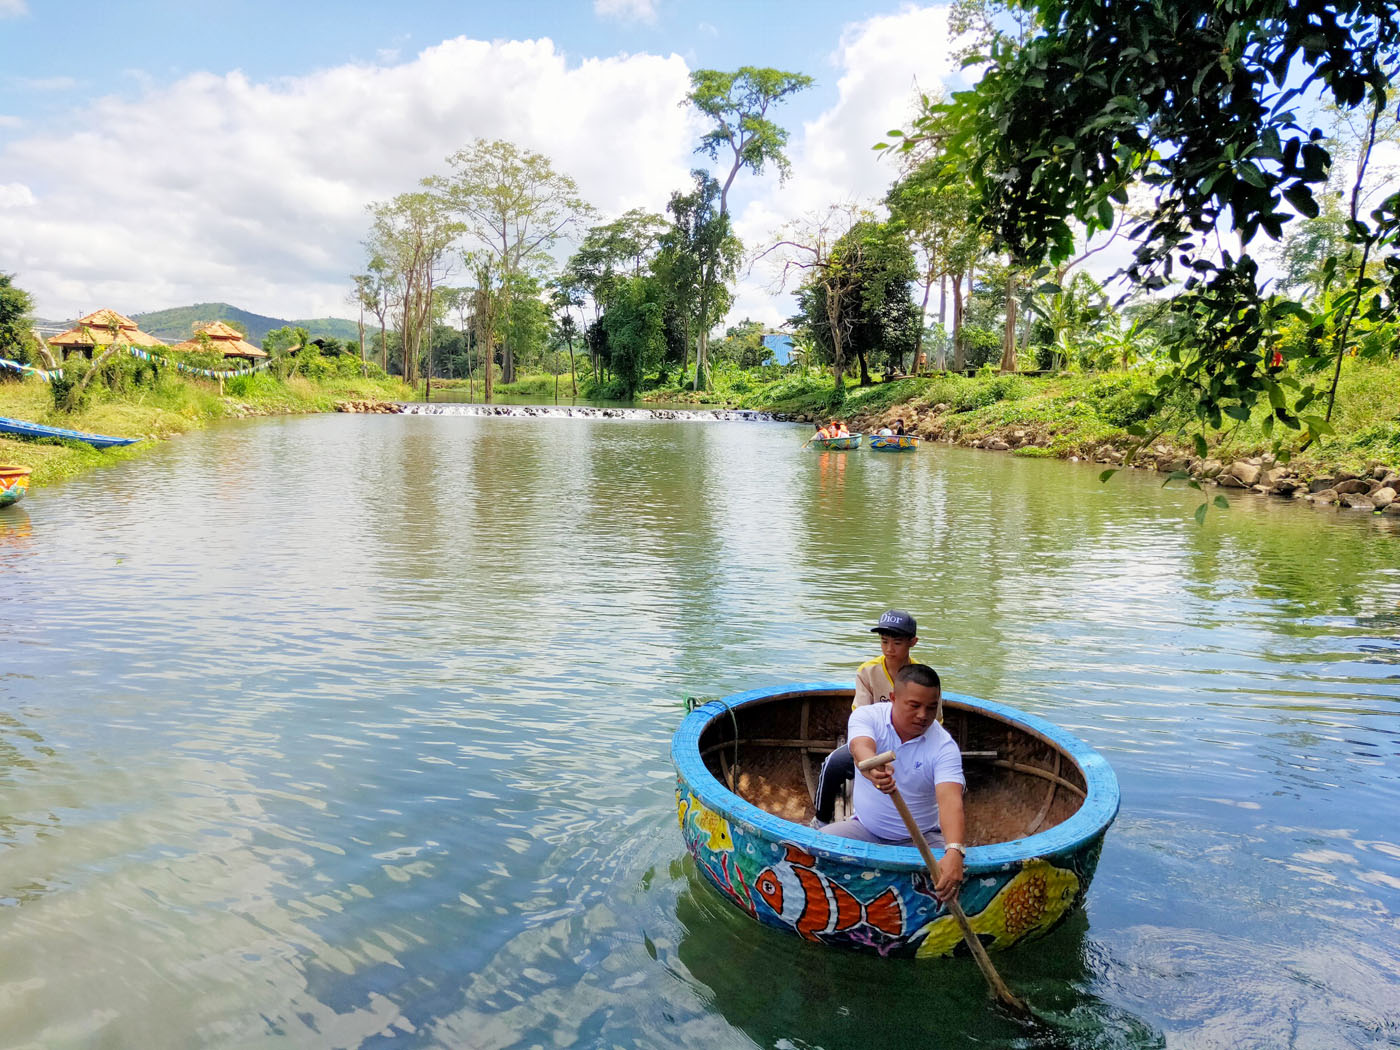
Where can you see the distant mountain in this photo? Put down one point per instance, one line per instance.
(177, 324)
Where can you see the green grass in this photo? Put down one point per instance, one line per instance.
(172, 405)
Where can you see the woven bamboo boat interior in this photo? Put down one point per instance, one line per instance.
(1018, 783)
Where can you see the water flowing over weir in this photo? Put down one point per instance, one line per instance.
(671, 415)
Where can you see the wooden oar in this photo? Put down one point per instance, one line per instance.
(984, 963)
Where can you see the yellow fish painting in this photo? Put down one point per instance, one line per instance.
(1030, 903)
(711, 823)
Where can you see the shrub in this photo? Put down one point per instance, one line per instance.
(69, 392)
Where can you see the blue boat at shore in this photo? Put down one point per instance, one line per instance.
(24, 428)
(1038, 804)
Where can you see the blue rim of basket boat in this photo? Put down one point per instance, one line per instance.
(1089, 822)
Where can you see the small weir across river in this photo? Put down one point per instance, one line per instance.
(352, 730)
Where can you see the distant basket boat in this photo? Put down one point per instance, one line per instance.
(894, 443)
(38, 430)
(1038, 803)
(837, 443)
(14, 483)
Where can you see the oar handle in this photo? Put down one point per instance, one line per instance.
(883, 759)
(974, 945)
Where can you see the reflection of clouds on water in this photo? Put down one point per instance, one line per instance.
(1330, 993)
(147, 908)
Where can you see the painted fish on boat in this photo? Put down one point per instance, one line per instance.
(813, 904)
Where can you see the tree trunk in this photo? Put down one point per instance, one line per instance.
(919, 342)
(428, 382)
(959, 354)
(702, 342)
(833, 321)
(685, 347)
(383, 344)
(364, 365)
(573, 377)
(1008, 336)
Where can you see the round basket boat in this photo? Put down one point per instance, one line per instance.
(894, 443)
(1038, 803)
(14, 483)
(837, 444)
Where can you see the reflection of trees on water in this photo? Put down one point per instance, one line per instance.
(1307, 562)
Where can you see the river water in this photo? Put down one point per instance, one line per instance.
(352, 731)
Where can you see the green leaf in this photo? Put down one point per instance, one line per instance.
(1302, 200)
(1108, 474)
(1106, 213)
(1221, 502)
(1201, 514)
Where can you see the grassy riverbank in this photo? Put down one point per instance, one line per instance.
(172, 405)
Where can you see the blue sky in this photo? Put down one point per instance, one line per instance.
(156, 154)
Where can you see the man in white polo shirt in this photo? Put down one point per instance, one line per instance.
(927, 768)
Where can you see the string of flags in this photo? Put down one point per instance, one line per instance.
(144, 355)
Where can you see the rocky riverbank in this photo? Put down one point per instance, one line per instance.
(1374, 489)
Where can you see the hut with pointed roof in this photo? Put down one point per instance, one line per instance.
(101, 329)
(215, 335)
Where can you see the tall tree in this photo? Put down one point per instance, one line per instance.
(515, 205)
(875, 314)
(566, 328)
(15, 304)
(809, 251)
(737, 103)
(699, 235)
(374, 290)
(635, 333)
(412, 234)
(1203, 103)
(932, 202)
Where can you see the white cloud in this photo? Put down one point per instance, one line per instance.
(15, 195)
(13, 8)
(884, 63)
(626, 10)
(10, 121)
(223, 188)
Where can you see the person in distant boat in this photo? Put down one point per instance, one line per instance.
(927, 769)
(898, 633)
(823, 431)
(841, 430)
(899, 428)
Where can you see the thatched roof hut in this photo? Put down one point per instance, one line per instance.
(99, 329)
(222, 338)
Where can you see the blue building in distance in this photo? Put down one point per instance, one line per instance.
(780, 346)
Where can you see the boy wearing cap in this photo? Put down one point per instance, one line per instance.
(874, 684)
(875, 678)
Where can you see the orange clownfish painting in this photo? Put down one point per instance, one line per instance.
(813, 905)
